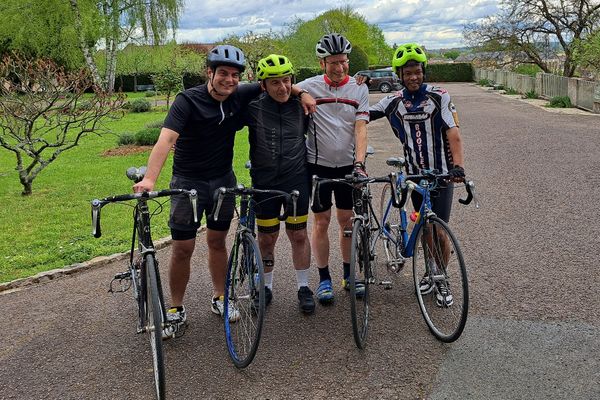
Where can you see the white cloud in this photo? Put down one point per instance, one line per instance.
(433, 23)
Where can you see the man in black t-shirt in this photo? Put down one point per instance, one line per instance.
(201, 124)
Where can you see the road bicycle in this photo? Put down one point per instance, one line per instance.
(142, 274)
(245, 285)
(365, 226)
(439, 270)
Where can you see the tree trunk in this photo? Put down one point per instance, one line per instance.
(26, 187)
(87, 53)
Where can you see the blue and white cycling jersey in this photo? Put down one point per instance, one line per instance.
(420, 120)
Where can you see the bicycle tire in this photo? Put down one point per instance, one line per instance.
(154, 326)
(445, 321)
(359, 273)
(392, 225)
(245, 282)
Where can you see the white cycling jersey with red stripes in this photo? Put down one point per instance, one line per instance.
(331, 139)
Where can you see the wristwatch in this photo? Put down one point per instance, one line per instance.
(302, 91)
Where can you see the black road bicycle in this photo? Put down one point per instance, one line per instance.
(142, 274)
(245, 287)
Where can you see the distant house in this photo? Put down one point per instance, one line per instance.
(202, 48)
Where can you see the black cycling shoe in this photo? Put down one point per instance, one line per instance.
(268, 298)
(305, 300)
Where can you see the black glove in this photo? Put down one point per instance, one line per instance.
(457, 173)
(359, 169)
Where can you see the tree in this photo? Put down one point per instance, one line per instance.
(587, 53)
(527, 28)
(302, 36)
(118, 21)
(168, 81)
(43, 112)
(256, 46)
(41, 28)
(452, 54)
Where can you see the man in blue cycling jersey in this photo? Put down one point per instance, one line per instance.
(423, 117)
(277, 128)
(201, 124)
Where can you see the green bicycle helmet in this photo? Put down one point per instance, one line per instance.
(274, 66)
(406, 53)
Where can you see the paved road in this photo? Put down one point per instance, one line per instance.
(532, 250)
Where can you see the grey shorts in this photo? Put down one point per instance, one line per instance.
(181, 219)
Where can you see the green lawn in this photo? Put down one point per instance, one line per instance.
(51, 228)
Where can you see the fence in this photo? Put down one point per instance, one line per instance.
(583, 94)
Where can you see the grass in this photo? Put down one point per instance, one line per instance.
(52, 229)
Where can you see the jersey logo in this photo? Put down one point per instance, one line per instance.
(416, 117)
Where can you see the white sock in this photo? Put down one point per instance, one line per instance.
(269, 280)
(302, 277)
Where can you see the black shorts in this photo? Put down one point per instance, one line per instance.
(181, 220)
(268, 208)
(342, 191)
(441, 200)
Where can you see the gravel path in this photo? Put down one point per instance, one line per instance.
(532, 250)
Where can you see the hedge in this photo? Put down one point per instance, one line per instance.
(450, 72)
(303, 73)
(125, 83)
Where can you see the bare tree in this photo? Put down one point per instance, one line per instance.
(43, 112)
(527, 28)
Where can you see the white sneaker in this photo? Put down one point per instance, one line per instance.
(218, 307)
(175, 324)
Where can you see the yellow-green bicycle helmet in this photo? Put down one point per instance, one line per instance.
(406, 53)
(274, 66)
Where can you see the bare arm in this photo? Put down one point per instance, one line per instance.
(157, 158)
(360, 137)
(456, 147)
(308, 102)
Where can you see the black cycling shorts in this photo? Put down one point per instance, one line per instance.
(181, 219)
(341, 191)
(441, 200)
(268, 208)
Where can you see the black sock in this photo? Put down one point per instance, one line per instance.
(324, 273)
(346, 270)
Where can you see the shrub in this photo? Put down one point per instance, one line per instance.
(147, 136)
(303, 73)
(455, 72)
(150, 93)
(484, 82)
(560, 102)
(527, 69)
(359, 60)
(140, 105)
(126, 138)
(531, 95)
(511, 91)
(155, 124)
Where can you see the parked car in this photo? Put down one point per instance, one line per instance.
(384, 80)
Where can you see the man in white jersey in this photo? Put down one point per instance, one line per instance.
(336, 144)
(423, 117)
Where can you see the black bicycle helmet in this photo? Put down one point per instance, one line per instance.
(225, 54)
(332, 44)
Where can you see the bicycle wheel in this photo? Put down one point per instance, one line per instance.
(245, 283)
(360, 272)
(392, 245)
(154, 325)
(440, 278)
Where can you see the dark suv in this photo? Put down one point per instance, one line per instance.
(384, 80)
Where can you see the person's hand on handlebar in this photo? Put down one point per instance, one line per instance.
(359, 170)
(145, 185)
(457, 173)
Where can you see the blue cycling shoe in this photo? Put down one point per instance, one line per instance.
(325, 292)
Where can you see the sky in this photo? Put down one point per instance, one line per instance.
(432, 23)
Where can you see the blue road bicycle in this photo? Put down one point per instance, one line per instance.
(439, 270)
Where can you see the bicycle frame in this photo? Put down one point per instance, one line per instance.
(424, 189)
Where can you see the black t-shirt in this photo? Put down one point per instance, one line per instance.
(206, 128)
